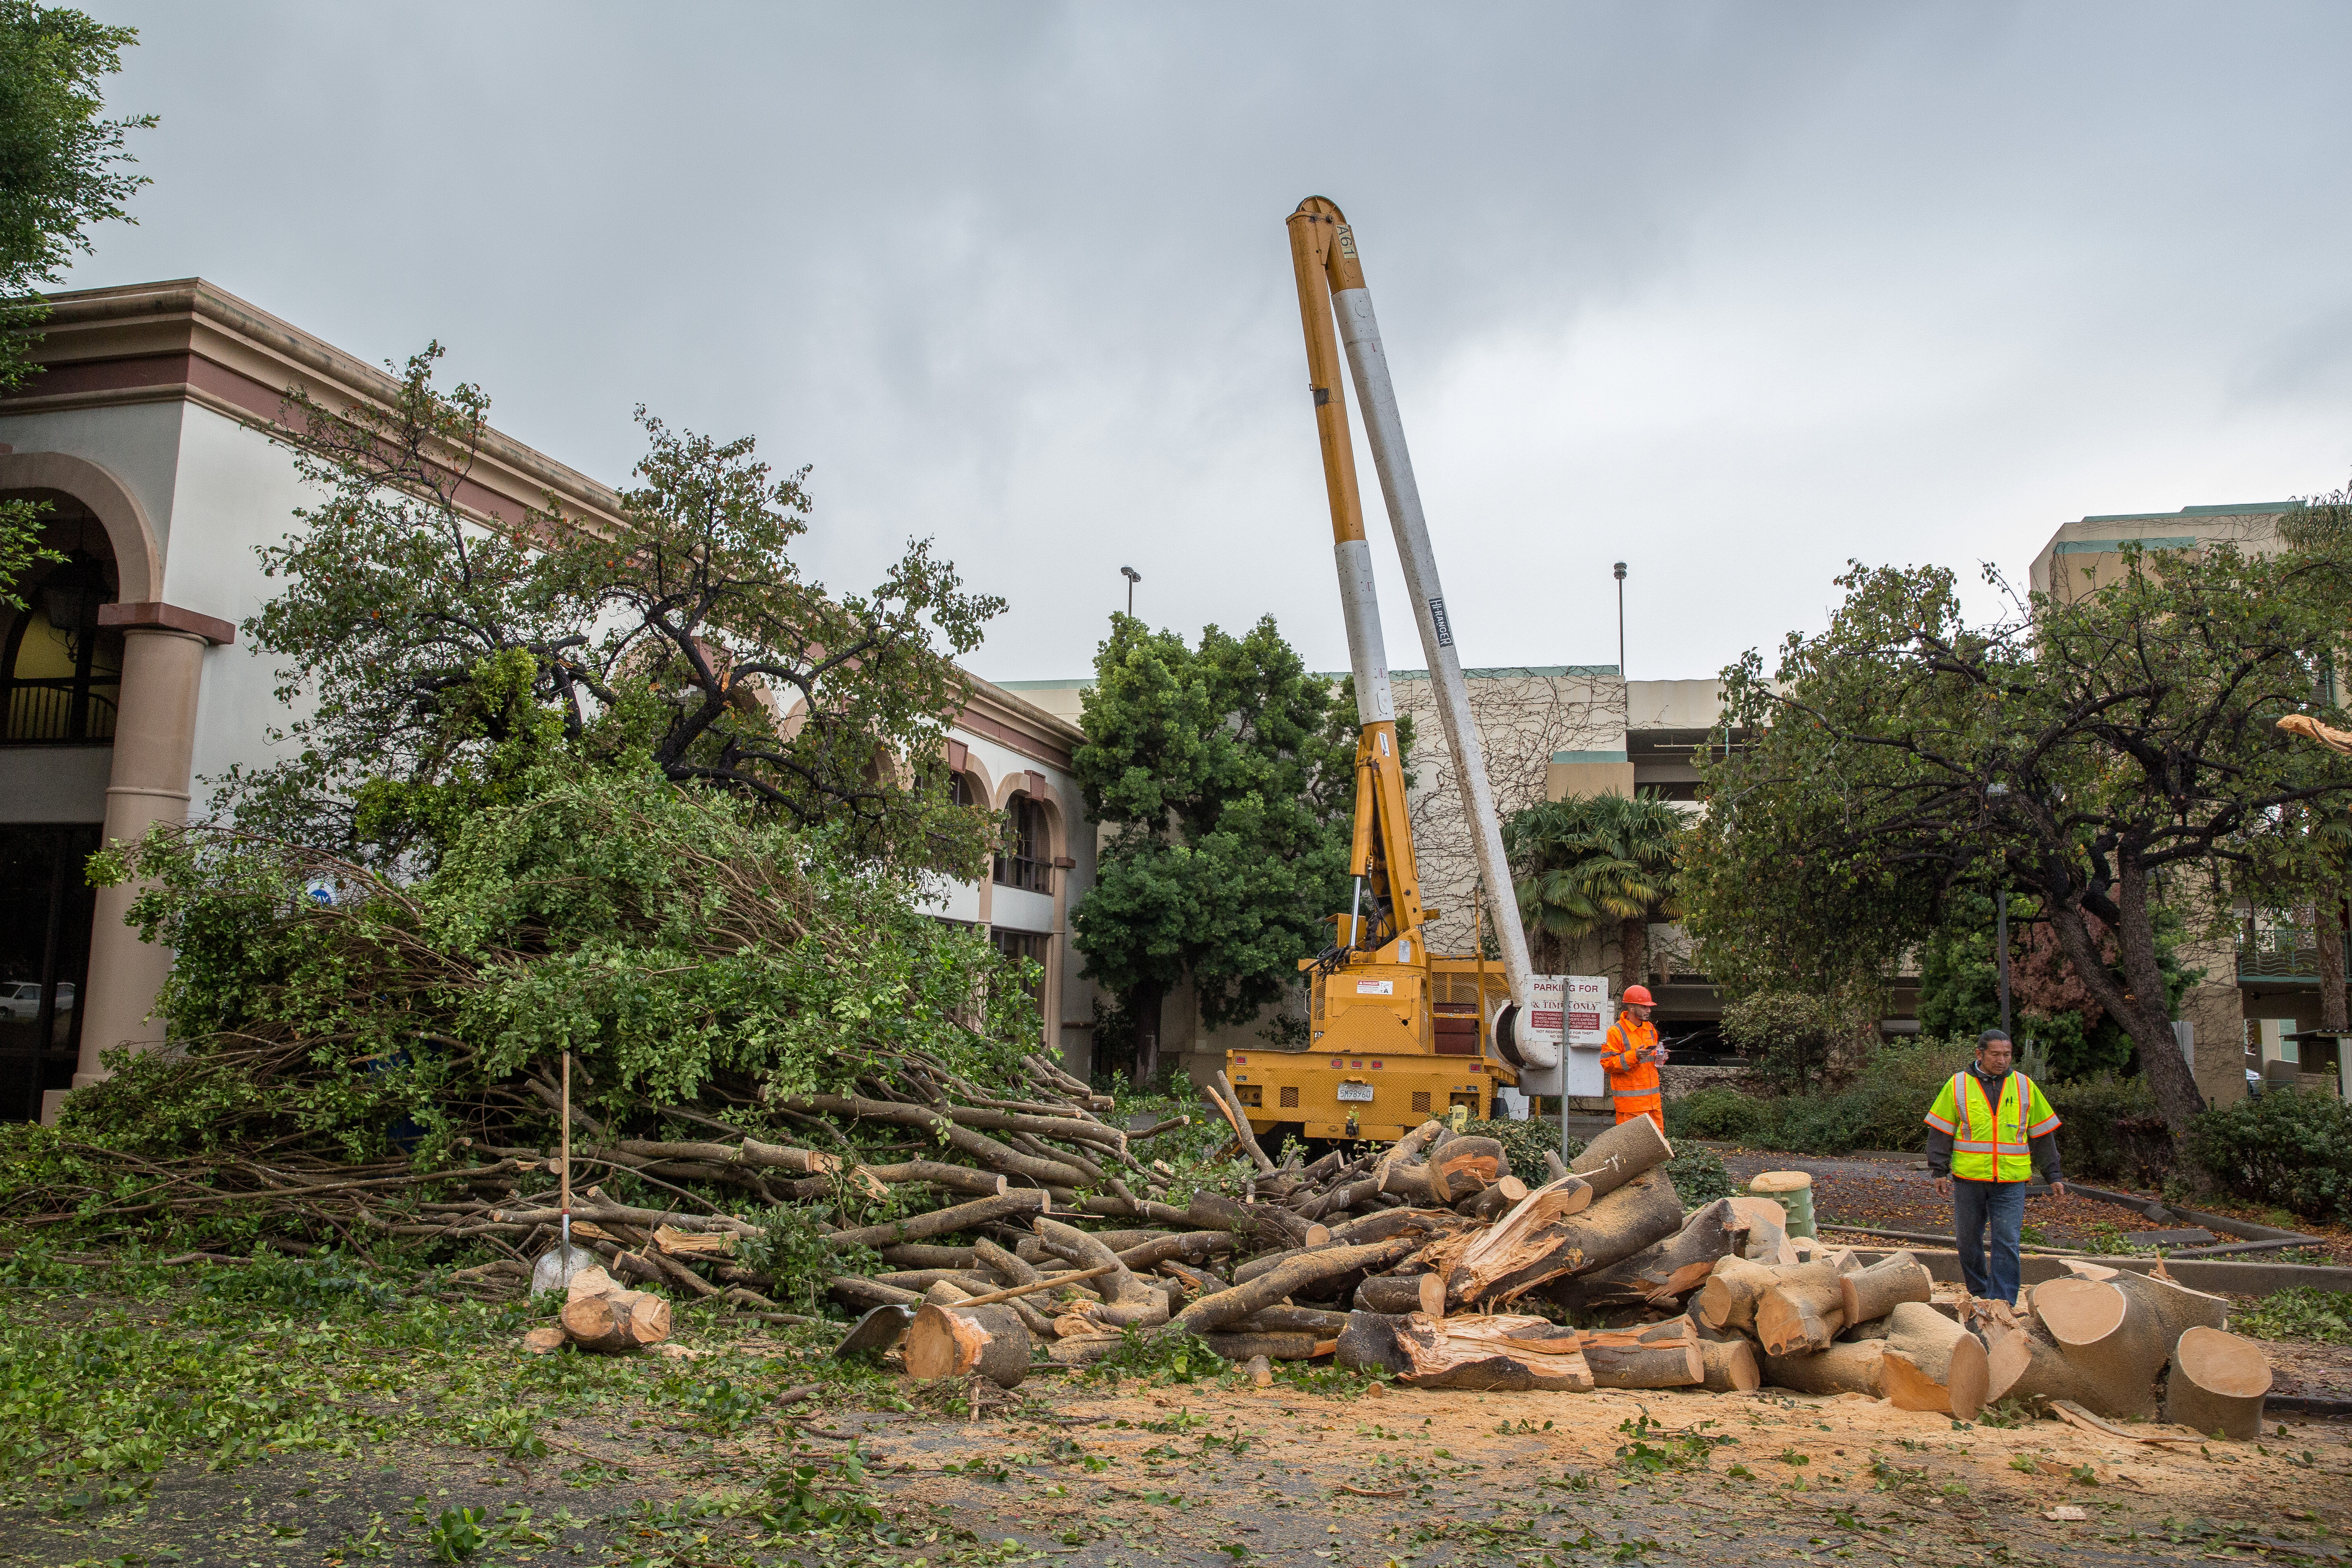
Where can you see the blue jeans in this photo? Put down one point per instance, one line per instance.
(2003, 1204)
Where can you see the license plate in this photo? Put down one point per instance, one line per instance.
(1363, 1091)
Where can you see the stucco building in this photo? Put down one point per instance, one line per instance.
(124, 686)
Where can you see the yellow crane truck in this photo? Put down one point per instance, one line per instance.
(1396, 1033)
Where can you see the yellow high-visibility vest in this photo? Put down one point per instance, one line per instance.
(1992, 1143)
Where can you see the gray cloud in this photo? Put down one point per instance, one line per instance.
(1732, 292)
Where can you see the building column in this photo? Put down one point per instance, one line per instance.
(154, 752)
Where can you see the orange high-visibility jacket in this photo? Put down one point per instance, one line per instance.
(1632, 1083)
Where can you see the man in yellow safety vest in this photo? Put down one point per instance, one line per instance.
(1987, 1130)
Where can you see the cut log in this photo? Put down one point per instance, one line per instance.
(1126, 1299)
(1491, 1204)
(1394, 1295)
(1874, 1292)
(1290, 1320)
(2218, 1383)
(1251, 1224)
(1730, 1363)
(855, 1290)
(1392, 1221)
(2115, 1341)
(1554, 1168)
(925, 1255)
(1298, 1277)
(614, 1321)
(1529, 1248)
(1662, 1272)
(1801, 1310)
(1932, 1362)
(545, 1339)
(1086, 1352)
(942, 1222)
(1728, 1297)
(1668, 1355)
(1841, 1369)
(1621, 1153)
(2022, 1365)
(2177, 1307)
(1504, 1353)
(955, 1341)
(1463, 1166)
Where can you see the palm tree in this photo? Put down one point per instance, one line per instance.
(1589, 862)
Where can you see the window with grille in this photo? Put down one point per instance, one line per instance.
(1024, 944)
(1421, 1101)
(1022, 860)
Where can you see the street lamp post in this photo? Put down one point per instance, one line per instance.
(1133, 577)
(1620, 620)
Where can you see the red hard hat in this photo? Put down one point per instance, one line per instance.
(1637, 996)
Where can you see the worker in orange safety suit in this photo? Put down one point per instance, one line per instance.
(1631, 1057)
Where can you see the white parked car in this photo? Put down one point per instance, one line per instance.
(22, 999)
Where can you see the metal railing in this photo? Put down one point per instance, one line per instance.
(42, 711)
(2282, 953)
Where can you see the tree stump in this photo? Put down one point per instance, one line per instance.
(1841, 1369)
(2115, 1341)
(1875, 1292)
(1931, 1362)
(955, 1341)
(2218, 1383)
(615, 1319)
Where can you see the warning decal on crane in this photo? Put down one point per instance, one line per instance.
(1375, 987)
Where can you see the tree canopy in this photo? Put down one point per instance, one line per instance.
(438, 656)
(62, 168)
(2105, 751)
(1227, 772)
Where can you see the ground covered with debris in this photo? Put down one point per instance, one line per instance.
(290, 1413)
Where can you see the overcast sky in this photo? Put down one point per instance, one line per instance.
(1729, 292)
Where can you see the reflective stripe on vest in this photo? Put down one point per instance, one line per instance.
(1634, 1093)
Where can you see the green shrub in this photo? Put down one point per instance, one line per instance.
(2287, 1148)
(1700, 1178)
(2302, 1312)
(1524, 1143)
(1721, 1113)
(2110, 1131)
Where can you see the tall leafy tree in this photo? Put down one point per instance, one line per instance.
(1226, 772)
(1598, 863)
(2105, 751)
(432, 659)
(62, 168)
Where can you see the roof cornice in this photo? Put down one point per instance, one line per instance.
(187, 339)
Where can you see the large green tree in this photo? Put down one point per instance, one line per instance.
(2104, 751)
(430, 657)
(1225, 770)
(62, 168)
(1598, 863)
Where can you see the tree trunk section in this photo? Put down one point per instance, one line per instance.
(1143, 1011)
(1802, 1310)
(1841, 1369)
(955, 1341)
(1396, 1295)
(1731, 1363)
(1510, 1260)
(1298, 1277)
(1876, 1290)
(1620, 1154)
(2021, 1365)
(1634, 945)
(1728, 1301)
(2218, 1383)
(2114, 1340)
(1126, 1299)
(1499, 1354)
(2328, 923)
(1931, 1362)
(1665, 1355)
(1664, 1271)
